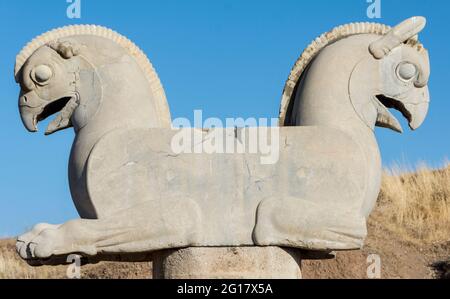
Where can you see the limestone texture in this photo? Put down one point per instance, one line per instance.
(136, 194)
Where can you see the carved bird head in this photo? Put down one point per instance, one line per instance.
(48, 81)
(90, 75)
(397, 72)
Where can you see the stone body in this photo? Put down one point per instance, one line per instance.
(134, 194)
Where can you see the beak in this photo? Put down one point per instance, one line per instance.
(30, 107)
(33, 109)
(418, 109)
(412, 105)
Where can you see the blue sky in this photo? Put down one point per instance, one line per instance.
(229, 58)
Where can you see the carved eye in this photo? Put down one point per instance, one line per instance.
(41, 74)
(406, 71)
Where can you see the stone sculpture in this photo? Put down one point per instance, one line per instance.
(134, 195)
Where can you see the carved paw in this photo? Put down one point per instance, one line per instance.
(45, 241)
(26, 244)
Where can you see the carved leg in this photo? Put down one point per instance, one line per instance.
(303, 224)
(144, 228)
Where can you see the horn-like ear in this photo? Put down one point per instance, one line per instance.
(67, 49)
(399, 34)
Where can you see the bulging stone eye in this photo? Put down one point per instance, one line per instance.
(406, 71)
(41, 74)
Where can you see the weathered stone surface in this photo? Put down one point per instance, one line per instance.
(136, 194)
(229, 193)
(228, 263)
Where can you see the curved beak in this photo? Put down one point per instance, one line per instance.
(28, 119)
(30, 107)
(418, 109)
(413, 106)
(33, 109)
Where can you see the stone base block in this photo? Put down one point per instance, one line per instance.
(227, 263)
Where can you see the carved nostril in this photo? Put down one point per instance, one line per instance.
(23, 100)
(422, 80)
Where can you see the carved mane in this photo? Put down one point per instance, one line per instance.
(99, 31)
(320, 43)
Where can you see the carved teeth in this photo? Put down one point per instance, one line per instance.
(63, 121)
(385, 118)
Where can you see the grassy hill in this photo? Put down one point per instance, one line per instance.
(409, 230)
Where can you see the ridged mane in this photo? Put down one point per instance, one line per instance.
(100, 31)
(320, 43)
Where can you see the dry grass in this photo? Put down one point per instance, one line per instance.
(417, 204)
(13, 267)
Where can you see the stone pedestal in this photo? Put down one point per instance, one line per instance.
(227, 263)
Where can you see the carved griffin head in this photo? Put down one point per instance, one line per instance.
(69, 70)
(375, 66)
(48, 85)
(404, 71)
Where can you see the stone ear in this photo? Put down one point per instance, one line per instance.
(399, 34)
(67, 49)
